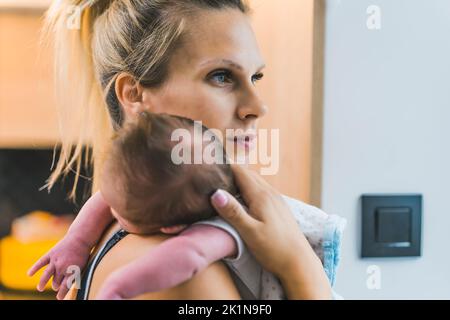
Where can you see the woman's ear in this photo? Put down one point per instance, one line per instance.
(129, 93)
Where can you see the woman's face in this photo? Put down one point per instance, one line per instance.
(212, 77)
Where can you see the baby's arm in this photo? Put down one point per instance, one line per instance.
(171, 263)
(91, 221)
(75, 247)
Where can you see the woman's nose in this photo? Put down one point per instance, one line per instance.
(251, 106)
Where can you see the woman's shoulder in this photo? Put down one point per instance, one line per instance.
(134, 246)
(323, 230)
(308, 214)
(298, 205)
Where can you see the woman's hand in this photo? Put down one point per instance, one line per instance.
(273, 236)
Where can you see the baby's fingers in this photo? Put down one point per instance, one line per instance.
(57, 279)
(49, 271)
(42, 262)
(63, 289)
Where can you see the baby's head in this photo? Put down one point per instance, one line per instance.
(146, 189)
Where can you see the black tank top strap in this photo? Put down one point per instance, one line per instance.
(83, 292)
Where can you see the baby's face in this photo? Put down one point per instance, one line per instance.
(112, 196)
(132, 228)
(125, 224)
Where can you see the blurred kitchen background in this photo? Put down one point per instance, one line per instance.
(360, 92)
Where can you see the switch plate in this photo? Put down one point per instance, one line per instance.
(391, 225)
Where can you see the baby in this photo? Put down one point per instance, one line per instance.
(143, 188)
(148, 193)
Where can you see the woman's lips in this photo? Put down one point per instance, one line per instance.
(247, 141)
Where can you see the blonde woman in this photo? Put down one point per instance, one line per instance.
(198, 59)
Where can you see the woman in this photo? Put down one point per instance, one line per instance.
(301, 275)
(195, 58)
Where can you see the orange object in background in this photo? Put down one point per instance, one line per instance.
(16, 258)
(31, 237)
(40, 226)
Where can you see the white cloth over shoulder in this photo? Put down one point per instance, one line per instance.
(322, 230)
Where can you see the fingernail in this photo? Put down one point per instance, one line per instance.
(219, 198)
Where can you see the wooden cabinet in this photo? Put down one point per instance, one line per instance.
(289, 35)
(27, 105)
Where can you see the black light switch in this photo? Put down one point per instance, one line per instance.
(391, 225)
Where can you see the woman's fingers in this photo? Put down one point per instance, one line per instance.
(232, 211)
(42, 262)
(256, 192)
(49, 271)
(244, 180)
(249, 182)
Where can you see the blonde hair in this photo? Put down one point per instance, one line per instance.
(113, 36)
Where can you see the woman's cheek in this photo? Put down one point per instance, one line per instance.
(211, 106)
(218, 112)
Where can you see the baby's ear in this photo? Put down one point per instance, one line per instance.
(173, 230)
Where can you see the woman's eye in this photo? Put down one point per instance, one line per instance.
(257, 77)
(222, 77)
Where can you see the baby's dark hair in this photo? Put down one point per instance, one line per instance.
(153, 190)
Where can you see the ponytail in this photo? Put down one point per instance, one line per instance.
(93, 42)
(83, 116)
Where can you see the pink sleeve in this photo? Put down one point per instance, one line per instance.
(193, 249)
(210, 242)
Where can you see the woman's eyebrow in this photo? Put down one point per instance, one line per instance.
(227, 62)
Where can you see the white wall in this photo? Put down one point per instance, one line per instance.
(387, 130)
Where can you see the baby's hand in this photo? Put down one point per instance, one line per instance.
(70, 251)
(118, 286)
